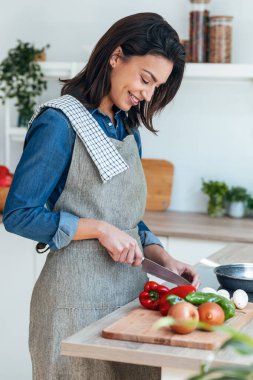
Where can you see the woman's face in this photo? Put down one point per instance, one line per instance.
(135, 79)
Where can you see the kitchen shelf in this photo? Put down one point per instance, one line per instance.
(60, 69)
(193, 70)
(219, 71)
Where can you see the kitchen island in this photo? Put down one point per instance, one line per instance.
(176, 363)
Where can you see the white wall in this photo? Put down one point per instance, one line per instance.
(207, 131)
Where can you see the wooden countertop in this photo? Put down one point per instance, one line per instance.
(199, 226)
(88, 342)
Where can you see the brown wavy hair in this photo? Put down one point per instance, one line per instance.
(138, 35)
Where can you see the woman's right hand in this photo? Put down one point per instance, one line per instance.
(120, 246)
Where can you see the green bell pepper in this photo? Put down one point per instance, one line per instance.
(197, 298)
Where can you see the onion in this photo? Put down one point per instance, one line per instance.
(186, 316)
(211, 313)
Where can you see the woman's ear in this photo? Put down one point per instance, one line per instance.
(116, 56)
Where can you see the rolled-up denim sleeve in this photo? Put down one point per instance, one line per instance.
(147, 237)
(66, 230)
(46, 154)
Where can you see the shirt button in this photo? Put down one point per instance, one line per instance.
(109, 124)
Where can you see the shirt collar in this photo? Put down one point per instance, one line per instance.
(117, 111)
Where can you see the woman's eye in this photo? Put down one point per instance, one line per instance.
(144, 81)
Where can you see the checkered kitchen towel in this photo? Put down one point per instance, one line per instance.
(100, 148)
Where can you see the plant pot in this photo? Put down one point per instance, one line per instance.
(215, 211)
(236, 209)
(40, 57)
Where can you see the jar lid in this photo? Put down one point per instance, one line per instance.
(227, 18)
(200, 1)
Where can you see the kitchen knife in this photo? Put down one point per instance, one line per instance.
(158, 270)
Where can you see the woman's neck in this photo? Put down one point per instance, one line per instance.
(106, 106)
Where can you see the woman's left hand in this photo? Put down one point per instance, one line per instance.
(158, 254)
(184, 270)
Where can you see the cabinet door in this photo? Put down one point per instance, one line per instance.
(16, 281)
(192, 251)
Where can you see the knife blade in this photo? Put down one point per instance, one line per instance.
(158, 270)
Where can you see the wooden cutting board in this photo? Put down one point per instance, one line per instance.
(137, 326)
(159, 178)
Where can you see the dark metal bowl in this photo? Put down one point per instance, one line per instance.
(235, 276)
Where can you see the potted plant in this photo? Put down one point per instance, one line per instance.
(217, 196)
(237, 198)
(22, 78)
(249, 207)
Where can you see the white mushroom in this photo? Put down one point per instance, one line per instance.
(208, 290)
(240, 298)
(223, 293)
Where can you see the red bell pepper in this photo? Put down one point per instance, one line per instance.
(167, 301)
(150, 297)
(182, 291)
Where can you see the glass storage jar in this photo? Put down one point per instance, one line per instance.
(199, 30)
(220, 39)
(186, 45)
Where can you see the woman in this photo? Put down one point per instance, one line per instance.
(82, 158)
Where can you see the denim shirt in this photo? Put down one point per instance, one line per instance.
(41, 175)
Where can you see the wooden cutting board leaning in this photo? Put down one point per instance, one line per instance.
(159, 177)
(137, 326)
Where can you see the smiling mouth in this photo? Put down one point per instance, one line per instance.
(133, 99)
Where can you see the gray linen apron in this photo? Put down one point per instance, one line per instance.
(80, 283)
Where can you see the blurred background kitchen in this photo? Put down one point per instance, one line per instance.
(206, 132)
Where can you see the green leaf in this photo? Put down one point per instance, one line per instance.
(163, 322)
(239, 373)
(239, 346)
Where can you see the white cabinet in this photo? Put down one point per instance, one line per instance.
(16, 280)
(20, 266)
(192, 251)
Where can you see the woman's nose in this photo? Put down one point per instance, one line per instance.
(147, 94)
